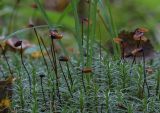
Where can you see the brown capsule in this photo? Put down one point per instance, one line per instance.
(30, 25)
(86, 21)
(42, 75)
(87, 70)
(55, 35)
(63, 58)
(34, 6)
(18, 43)
(11, 43)
(139, 34)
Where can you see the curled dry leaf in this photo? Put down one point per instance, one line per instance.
(130, 44)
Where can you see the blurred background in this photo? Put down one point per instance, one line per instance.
(127, 14)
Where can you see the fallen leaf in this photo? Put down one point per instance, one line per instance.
(10, 43)
(130, 44)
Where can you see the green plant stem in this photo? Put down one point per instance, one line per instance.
(83, 82)
(88, 35)
(8, 64)
(82, 31)
(69, 73)
(144, 72)
(3, 52)
(43, 91)
(158, 83)
(46, 51)
(69, 89)
(2, 72)
(134, 57)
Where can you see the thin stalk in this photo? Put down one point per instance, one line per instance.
(69, 89)
(20, 90)
(52, 96)
(109, 76)
(55, 70)
(134, 57)
(100, 52)
(107, 101)
(144, 72)
(46, 50)
(88, 35)
(83, 83)
(101, 108)
(41, 50)
(103, 21)
(81, 101)
(69, 73)
(43, 91)
(82, 31)
(158, 82)
(6, 60)
(123, 76)
(29, 78)
(34, 94)
(122, 49)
